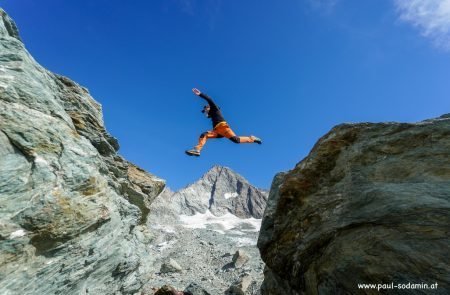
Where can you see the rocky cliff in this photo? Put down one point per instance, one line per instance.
(369, 204)
(71, 208)
(220, 190)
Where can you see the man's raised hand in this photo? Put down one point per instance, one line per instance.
(196, 91)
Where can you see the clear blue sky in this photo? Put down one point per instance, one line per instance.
(286, 71)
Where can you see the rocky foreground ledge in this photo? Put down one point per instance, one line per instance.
(71, 209)
(369, 205)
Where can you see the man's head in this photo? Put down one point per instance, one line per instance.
(205, 110)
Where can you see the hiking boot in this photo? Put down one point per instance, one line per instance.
(256, 139)
(193, 152)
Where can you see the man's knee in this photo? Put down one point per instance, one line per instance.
(203, 135)
(235, 139)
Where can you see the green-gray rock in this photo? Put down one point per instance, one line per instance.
(370, 204)
(71, 208)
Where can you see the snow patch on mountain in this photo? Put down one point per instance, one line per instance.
(231, 195)
(225, 222)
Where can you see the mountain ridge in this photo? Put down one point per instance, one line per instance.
(210, 170)
(218, 190)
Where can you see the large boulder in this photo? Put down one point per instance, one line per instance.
(370, 204)
(72, 209)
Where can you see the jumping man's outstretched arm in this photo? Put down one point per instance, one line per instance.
(205, 97)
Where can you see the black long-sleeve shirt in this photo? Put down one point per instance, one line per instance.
(214, 112)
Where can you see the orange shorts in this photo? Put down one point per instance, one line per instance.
(222, 130)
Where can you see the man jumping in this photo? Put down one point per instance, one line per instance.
(220, 127)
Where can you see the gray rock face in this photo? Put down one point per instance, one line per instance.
(369, 204)
(71, 208)
(7, 26)
(221, 191)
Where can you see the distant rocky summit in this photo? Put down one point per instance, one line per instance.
(370, 204)
(200, 227)
(221, 191)
(72, 211)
